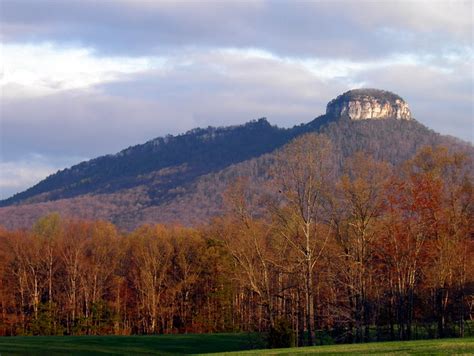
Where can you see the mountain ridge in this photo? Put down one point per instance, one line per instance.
(158, 152)
(181, 178)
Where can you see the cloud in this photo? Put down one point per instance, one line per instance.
(195, 89)
(441, 99)
(82, 123)
(45, 68)
(223, 87)
(360, 29)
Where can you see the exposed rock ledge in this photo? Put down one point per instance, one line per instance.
(363, 104)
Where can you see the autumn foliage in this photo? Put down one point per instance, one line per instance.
(352, 252)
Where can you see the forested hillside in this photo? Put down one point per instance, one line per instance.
(162, 163)
(182, 178)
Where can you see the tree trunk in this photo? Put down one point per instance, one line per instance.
(309, 303)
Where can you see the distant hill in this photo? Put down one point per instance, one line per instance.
(181, 178)
(162, 164)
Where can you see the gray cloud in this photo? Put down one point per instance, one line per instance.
(442, 100)
(83, 123)
(212, 89)
(359, 29)
(219, 88)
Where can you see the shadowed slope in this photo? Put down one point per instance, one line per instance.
(189, 190)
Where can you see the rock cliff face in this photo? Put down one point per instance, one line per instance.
(364, 104)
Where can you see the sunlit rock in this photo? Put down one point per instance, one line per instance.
(365, 104)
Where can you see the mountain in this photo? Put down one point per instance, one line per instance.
(161, 164)
(181, 178)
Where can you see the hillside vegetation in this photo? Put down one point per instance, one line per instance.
(182, 178)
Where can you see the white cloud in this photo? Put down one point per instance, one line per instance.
(45, 68)
(325, 68)
(201, 87)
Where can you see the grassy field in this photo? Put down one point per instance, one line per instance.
(419, 347)
(128, 345)
(220, 344)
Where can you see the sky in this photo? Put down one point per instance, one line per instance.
(81, 78)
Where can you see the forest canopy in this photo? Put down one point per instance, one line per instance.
(363, 252)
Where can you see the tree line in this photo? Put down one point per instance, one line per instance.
(352, 251)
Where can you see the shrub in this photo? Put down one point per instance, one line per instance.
(281, 335)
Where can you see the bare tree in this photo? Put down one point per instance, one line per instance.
(151, 254)
(361, 203)
(71, 251)
(248, 241)
(303, 173)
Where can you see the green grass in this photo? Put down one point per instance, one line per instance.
(128, 345)
(214, 343)
(419, 347)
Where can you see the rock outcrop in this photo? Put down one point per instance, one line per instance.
(365, 104)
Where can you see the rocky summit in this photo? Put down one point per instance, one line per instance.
(366, 104)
